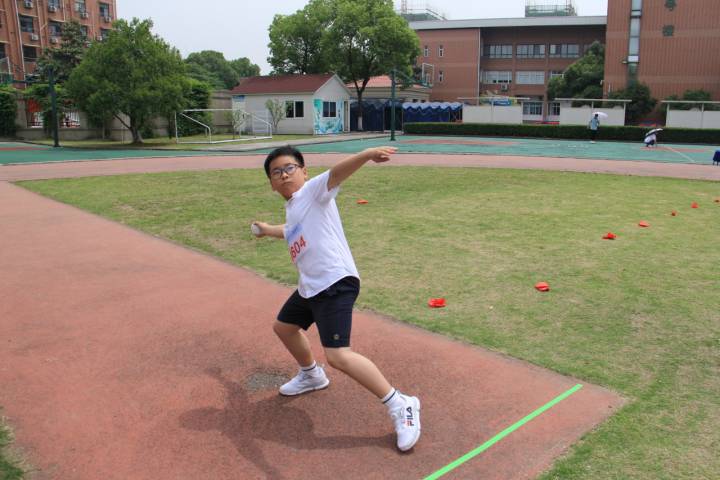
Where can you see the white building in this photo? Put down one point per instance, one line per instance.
(314, 104)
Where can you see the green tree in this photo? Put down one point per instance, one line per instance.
(198, 98)
(212, 67)
(66, 57)
(8, 111)
(132, 73)
(277, 112)
(296, 41)
(642, 102)
(582, 79)
(244, 67)
(366, 38)
(693, 96)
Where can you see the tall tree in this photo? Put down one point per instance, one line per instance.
(582, 79)
(244, 67)
(642, 101)
(134, 73)
(67, 56)
(296, 41)
(366, 38)
(221, 72)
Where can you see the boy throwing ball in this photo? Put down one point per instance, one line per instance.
(328, 284)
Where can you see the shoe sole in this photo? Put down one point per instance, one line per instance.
(307, 390)
(417, 436)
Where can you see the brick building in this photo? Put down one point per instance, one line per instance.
(27, 27)
(670, 45)
(507, 56)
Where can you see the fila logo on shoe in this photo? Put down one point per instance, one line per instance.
(409, 417)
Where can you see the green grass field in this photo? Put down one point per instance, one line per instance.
(9, 467)
(640, 314)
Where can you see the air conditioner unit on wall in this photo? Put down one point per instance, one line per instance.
(28, 4)
(504, 87)
(84, 15)
(34, 37)
(107, 19)
(54, 40)
(52, 8)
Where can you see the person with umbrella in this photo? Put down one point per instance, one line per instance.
(594, 125)
(651, 137)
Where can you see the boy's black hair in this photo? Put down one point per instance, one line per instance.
(287, 150)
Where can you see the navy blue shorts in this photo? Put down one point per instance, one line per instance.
(331, 310)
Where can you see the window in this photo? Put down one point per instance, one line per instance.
(533, 108)
(80, 6)
(634, 43)
(497, 77)
(426, 51)
(497, 51)
(84, 30)
(329, 110)
(531, 51)
(441, 76)
(30, 53)
(556, 73)
(294, 109)
(104, 33)
(55, 29)
(565, 50)
(636, 8)
(26, 24)
(441, 51)
(3, 55)
(54, 4)
(104, 10)
(554, 108)
(531, 78)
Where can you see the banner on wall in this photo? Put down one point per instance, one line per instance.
(325, 122)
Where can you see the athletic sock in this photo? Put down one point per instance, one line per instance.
(309, 368)
(393, 399)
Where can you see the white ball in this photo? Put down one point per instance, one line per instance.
(255, 230)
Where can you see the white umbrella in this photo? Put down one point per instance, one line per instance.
(602, 115)
(655, 130)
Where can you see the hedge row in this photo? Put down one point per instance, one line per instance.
(631, 134)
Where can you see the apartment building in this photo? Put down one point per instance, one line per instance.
(670, 45)
(508, 56)
(27, 27)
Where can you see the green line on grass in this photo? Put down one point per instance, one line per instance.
(501, 435)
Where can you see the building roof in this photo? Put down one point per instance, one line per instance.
(382, 81)
(511, 22)
(273, 84)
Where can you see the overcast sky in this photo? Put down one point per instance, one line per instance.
(239, 28)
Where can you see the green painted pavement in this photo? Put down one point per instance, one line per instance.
(527, 147)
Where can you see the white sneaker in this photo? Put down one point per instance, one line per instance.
(306, 382)
(407, 422)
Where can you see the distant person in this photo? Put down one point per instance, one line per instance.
(594, 125)
(651, 140)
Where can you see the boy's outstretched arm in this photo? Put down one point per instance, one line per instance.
(343, 169)
(267, 230)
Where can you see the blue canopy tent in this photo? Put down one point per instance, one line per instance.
(376, 115)
(432, 112)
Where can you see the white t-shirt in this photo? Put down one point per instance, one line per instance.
(315, 237)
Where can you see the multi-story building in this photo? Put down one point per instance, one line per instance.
(670, 45)
(508, 56)
(27, 27)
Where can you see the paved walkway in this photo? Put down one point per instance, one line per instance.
(143, 165)
(128, 357)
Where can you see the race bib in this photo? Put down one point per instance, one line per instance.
(296, 242)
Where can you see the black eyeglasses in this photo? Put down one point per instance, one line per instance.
(288, 169)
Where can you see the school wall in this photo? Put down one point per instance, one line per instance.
(583, 115)
(693, 119)
(490, 114)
